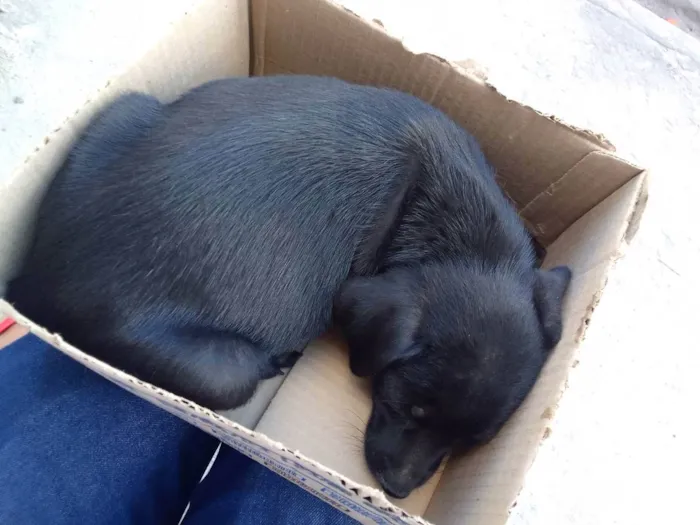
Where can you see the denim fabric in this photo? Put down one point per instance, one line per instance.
(75, 449)
(238, 491)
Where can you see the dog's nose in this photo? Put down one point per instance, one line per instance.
(397, 495)
(391, 490)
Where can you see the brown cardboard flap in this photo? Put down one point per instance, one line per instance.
(593, 237)
(591, 179)
(530, 151)
(480, 488)
(322, 409)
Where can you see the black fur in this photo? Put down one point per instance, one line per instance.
(200, 246)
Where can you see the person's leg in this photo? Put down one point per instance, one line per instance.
(239, 491)
(76, 449)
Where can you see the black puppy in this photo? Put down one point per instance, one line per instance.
(200, 245)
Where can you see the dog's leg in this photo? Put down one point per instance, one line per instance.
(287, 360)
(214, 369)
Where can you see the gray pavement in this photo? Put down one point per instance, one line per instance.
(684, 14)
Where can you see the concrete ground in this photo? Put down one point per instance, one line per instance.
(624, 443)
(684, 14)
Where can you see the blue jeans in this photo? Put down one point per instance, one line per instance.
(75, 449)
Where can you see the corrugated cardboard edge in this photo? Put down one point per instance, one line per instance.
(365, 504)
(629, 230)
(598, 139)
(476, 74)
(631, 225)
(550, 227)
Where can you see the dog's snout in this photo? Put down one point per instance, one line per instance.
(402, 457)
(392, 488)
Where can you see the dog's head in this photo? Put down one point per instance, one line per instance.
(451, 352)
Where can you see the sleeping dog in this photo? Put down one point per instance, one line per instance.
(200, 245)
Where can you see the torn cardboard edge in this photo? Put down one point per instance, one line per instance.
(597, 139)
(476, 73)
(359, 501)
(309, 36)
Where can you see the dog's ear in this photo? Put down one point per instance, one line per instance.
(379, 317)
(550, 290)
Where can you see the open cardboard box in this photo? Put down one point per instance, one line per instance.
(581, 202)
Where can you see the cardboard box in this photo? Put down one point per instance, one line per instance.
(579, 199)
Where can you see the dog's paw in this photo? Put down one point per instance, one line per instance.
(286, 360)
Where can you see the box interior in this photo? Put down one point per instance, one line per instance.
(578, 199)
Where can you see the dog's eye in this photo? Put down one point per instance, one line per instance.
(417, 412)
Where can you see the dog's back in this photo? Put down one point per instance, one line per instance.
(241, 195)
